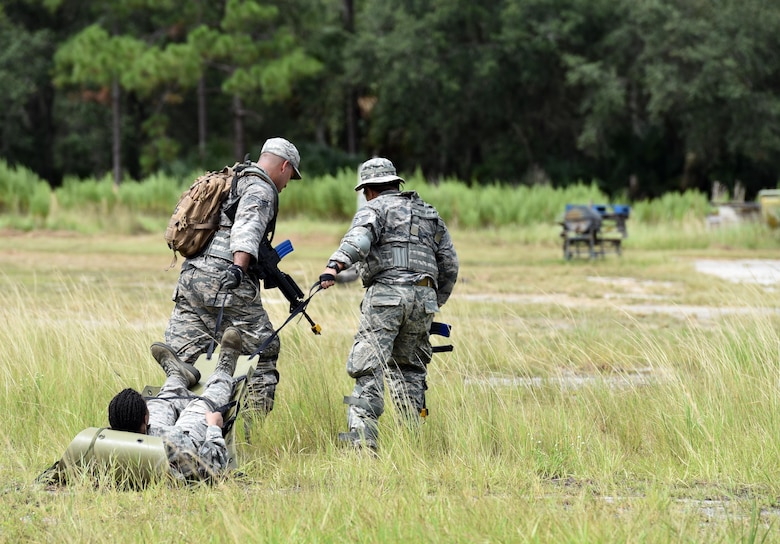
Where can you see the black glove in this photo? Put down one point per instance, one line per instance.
(232, 277)
(330, 277)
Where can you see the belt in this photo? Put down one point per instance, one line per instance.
(425, 282)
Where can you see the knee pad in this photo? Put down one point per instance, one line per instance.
(270, 352)
(375, 408)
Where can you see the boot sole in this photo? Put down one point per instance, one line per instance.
(188, 371)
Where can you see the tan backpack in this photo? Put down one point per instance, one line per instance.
(196, 216)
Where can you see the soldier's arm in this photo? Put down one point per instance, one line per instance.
(255, 210)
(213, 454)
(357, 242)
(447, 263)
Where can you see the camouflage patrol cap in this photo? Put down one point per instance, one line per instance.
(284, 149)
(376, 171)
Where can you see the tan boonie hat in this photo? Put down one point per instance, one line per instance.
(377, 171)
(284, 149)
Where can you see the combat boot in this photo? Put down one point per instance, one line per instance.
(359, 442)
(229, 350)
(172, 365)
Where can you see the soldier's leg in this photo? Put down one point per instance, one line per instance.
(382, 314)
(217, 393)
(407, 389)
(255, 327)
(365, 405)
(261, 386)
(411, 354)
(193, 319)
(164, 409)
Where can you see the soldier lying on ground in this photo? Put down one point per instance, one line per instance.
(190, 426)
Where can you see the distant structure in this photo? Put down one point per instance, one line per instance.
(594, 229)
(736, 210)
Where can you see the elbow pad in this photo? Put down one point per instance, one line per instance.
(356, 244)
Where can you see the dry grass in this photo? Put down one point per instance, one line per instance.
(584, 402)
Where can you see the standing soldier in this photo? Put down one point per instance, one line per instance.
(409, 267)
(223, 278)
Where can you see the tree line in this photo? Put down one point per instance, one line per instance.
(642, 96)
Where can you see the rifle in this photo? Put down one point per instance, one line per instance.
(267, 269)
(441, 329)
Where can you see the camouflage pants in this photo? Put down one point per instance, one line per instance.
(391, 344)
(176, 405)
(191, 327)
(179, 418)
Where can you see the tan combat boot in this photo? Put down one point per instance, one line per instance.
(229, 350)
(172, 365)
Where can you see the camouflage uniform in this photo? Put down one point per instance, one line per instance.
(195, 449)
(198, 296)
(409, 271)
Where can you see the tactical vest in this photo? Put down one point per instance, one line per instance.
(220, 244)
(409, 240)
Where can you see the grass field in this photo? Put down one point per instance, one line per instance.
(625, 399)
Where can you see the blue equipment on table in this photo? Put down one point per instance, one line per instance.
(593, 230)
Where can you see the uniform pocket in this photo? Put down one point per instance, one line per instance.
(385, 299)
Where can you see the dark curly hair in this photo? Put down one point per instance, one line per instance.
(127, 411)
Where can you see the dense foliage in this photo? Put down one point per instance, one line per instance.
(645, 96)
(97, 205)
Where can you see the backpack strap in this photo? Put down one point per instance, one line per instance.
(248, 168)
(230, 211)
(271, 228)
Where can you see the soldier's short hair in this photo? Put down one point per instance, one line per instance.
(127, 411)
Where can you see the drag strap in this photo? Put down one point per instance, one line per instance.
(210, 351)
(297, 310)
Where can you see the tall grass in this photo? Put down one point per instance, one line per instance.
(22, 192)
(674, 221)
(540, 430)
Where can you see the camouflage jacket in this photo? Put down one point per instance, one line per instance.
(409, 241)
